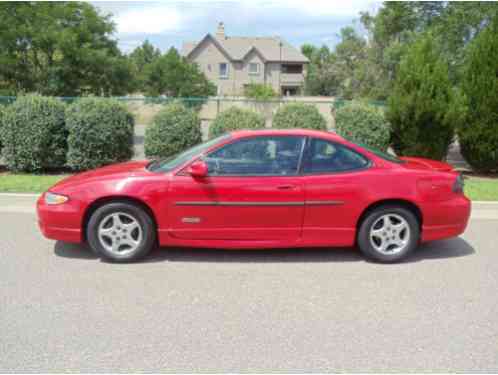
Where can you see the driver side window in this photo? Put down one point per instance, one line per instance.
(255, 156)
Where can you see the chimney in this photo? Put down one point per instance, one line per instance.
(220, 31)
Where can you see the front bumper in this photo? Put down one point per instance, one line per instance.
(60, 222)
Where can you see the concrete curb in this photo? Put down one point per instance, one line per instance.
(20, 195)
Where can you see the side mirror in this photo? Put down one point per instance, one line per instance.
(198, 169)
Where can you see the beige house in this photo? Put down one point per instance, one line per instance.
(233, 62)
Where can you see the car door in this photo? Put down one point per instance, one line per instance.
(336, 190)
(252, 192)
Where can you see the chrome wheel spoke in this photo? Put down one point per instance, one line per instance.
(131, 226)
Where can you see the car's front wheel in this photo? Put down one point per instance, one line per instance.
(121, 232)
(388, 234)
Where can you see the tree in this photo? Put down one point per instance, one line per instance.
(172, 75)
(478, 134)
(141, 58)
(59, 48)
(423, 107)
(322, 76)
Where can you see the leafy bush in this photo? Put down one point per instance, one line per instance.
(235, 119)
(259, 91)
(34, 135)
(299, 115)
(478, 134)
(174, 129)
(100, 133)
(361, 122)
(423, 108)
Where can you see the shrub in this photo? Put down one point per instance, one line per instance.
(34, 135)
(299, 115)
(2, 109)
(174, 129)
(259, 91)
(235, 119)
(422, 108)
(478, 134)
(361, 122)
(100, 133)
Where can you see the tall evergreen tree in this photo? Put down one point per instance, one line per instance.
(478, 134)
(423, 107)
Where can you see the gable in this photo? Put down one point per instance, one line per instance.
(208, 47)
(236, 48)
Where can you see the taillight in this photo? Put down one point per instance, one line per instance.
(458, 185)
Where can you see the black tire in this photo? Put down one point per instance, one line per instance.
(148, 238)
(371, 218)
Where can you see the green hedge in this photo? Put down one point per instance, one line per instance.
(364, 123)
(34, 134)
(100, 133)
(259, 91)
(174, 129)
(235, 119)
(299, 115)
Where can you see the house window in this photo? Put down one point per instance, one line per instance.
(223, 70)
(254, 68)
(292, 68)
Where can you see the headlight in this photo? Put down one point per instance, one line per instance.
(53, 199)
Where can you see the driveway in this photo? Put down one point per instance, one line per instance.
(188, 310)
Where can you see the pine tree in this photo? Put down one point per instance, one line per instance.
(423, 106)
(478, 134)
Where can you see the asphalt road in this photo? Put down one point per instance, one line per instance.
(187, 310)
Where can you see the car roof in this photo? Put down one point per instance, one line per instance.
(301, 132)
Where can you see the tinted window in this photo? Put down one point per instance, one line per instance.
(323, 156)
(257, 156)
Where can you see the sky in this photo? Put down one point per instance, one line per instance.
(170, 23)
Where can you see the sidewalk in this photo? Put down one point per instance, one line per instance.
(26, 203)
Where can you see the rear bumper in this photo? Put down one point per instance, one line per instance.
(445, 219)
(61, 222)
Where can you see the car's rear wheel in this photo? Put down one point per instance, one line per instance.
(121, 232)
(388, 234)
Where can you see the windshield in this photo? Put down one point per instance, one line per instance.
(168, 164)
(380, 154)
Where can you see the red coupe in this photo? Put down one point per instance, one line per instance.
(260, 189)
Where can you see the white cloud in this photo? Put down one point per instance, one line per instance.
(156, 18)
(151, 19)
(328, 7)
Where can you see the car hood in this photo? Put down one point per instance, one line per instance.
(113, 171)
(423, 163)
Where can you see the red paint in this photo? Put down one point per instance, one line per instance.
(324, 211)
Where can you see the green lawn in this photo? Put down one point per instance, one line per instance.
(481, 188)
(476, 188)
(27, 183)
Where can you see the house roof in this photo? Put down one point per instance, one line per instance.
(237, 48)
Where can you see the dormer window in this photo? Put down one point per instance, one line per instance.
(254, 68)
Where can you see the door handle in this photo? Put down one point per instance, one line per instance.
(286, 187)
